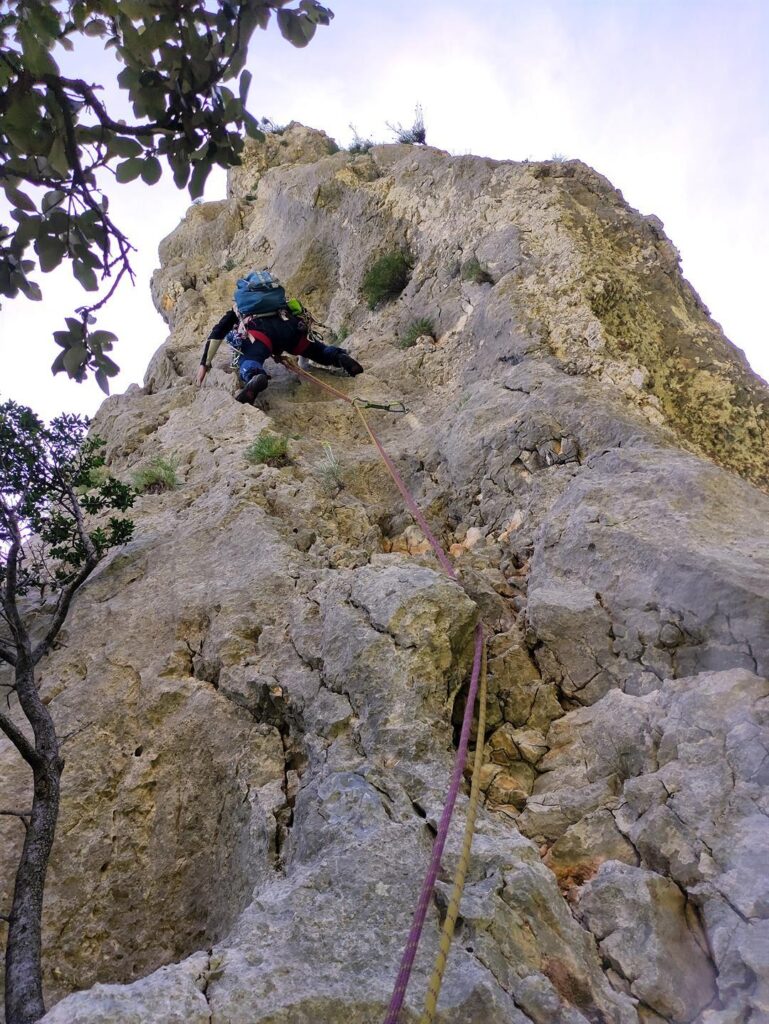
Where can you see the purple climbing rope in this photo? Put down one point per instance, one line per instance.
(418, 920)
(407, 960)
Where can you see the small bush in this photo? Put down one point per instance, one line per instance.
(386, 278)
(269, 449)
(416, 329)
(473, 271)
(97, 476)
(330, 471)
(343, 332)
(157, 475)
(229, 265)
(416, 134)
(559, 158)
(358, 144)
(270, 127)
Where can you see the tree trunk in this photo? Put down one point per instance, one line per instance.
(23, 965)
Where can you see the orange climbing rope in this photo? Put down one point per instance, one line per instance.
(478, 675)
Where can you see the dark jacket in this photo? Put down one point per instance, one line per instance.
(286, 333)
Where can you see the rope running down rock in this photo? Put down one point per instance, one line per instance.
(478, 673)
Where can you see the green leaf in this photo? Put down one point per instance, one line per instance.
(85, 275)
(102, 339)
(253, 130)
(75, 326)
(297, 28)
(128, 78)
(134, 9)
(181, 173)
(128, 170)
(198, 180)
(102, 380)
(36, 58)
(20, 200)
(74, 359)
(118, 145)
(52, 199)
(86, 256)
(44, 21)
(6, 287)
(50, 250)
(151, 170)
(58, 364)
(32, 290)
(95, 28)
(106, 364)
(57, 156)
(56, 221)
(22, 124)
(245, 82)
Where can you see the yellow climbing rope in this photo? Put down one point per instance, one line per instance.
(447, 932)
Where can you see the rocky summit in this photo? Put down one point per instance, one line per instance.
(259, 696)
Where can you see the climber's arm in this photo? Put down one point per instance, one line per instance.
(213, 341)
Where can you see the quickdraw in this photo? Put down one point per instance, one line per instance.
(362, 403)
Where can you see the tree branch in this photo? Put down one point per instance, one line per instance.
(125, 268)
(56, 87)
(24, 816)
(8, 595)
(20, 741)
(92, 556)
(7, 656)
(62, 609)
(77, 85)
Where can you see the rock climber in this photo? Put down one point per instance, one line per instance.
(264, 324)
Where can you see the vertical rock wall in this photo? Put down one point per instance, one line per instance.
(259, 694)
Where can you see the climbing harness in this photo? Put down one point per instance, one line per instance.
(477, 688)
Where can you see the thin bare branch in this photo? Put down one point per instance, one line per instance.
(88, 93)
(24, 817)
(8, 593)
(125, 268)
(9, 689)
(20, 741)
(62, 608)
(92, 556)
(7, 655)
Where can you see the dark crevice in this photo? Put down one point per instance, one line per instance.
(206, 978)
(418, 809)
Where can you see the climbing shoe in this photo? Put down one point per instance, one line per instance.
(247, 394)
(349, 365)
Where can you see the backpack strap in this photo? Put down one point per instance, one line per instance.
(241, 318)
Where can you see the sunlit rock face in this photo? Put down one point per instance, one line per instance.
(259, 695)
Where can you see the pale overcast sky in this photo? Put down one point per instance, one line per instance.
(668, 98)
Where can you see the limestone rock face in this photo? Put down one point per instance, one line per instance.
(259, 696)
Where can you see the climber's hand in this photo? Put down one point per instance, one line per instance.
(202, 371)
(350, 366)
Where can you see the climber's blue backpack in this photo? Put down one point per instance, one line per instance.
(259, 294)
